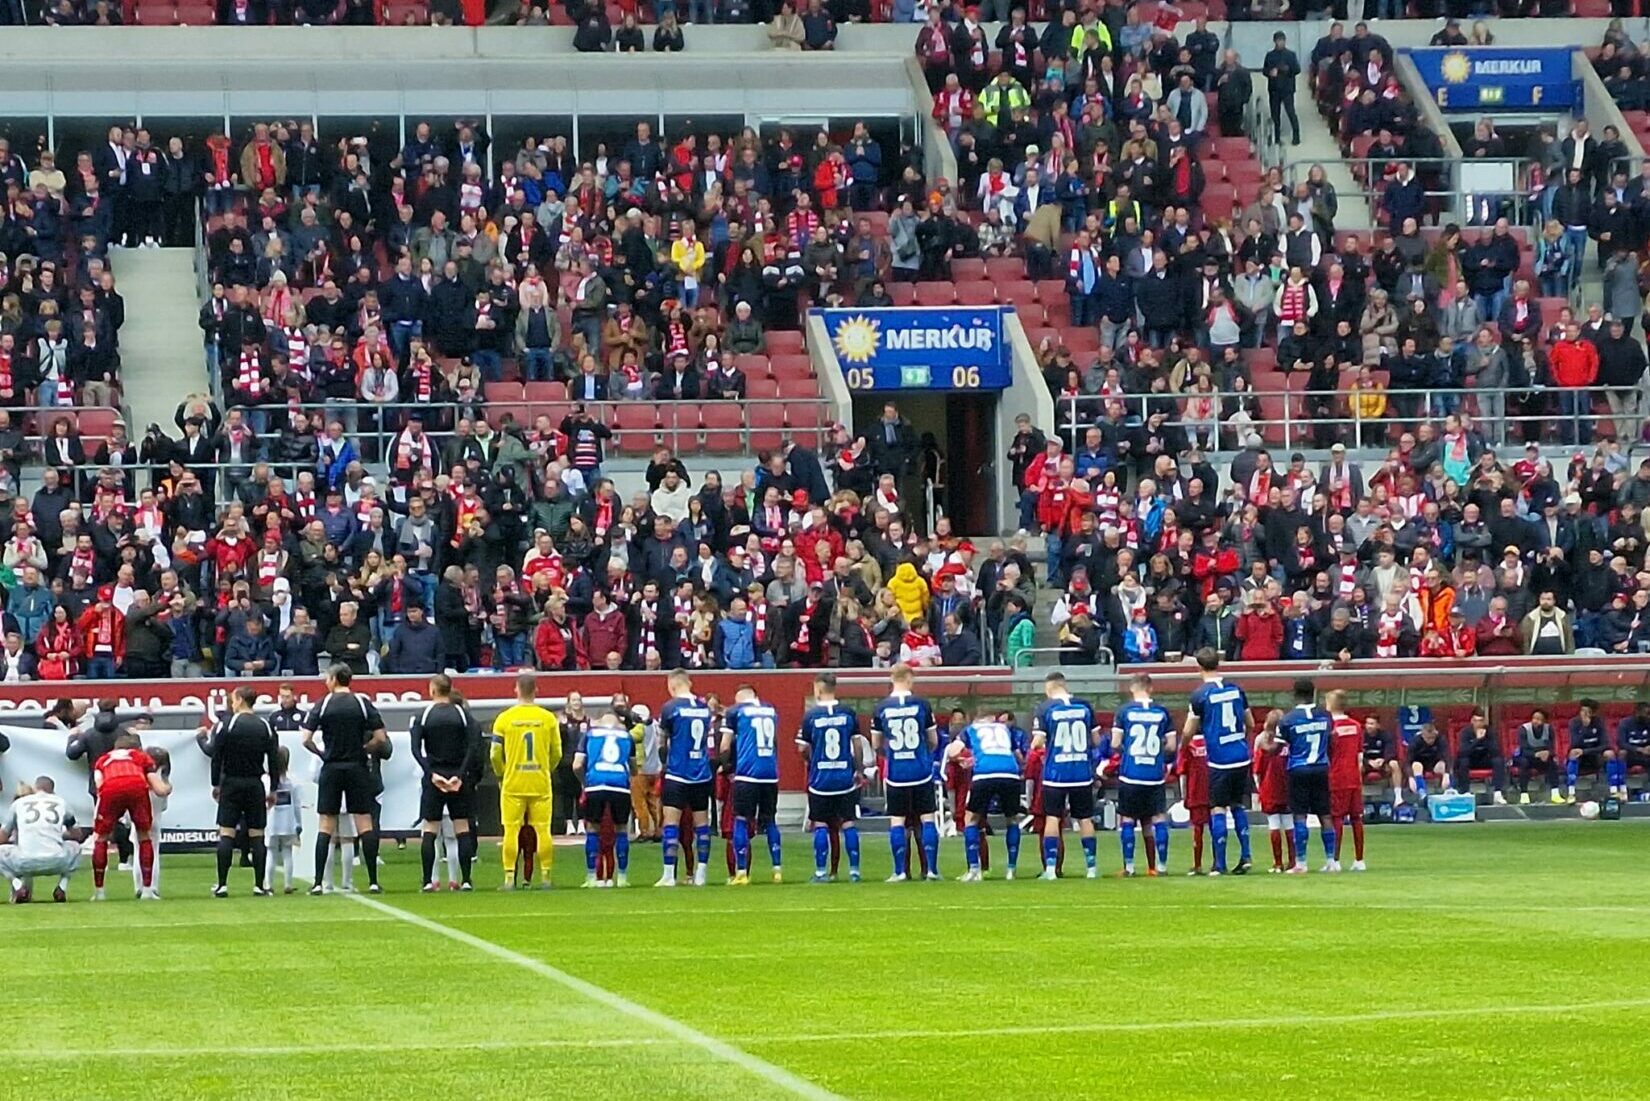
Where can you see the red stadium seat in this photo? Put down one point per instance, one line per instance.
(792, 367)
(936, 294)
(797, 388)
(635, 425)
(968, 270)
(1000, 269)
(1048, 290)
(766, 423)
(723, 422)
(545, 391)
(501, 391)
(902, 294)
(785, 342)
(1013, 292)
(1083, 342)
(761, 388)
(976, 294)
(753, 366)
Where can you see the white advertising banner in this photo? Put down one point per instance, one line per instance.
(191, 816)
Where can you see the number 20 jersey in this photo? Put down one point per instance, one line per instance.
(1066, 726)
(903, 723)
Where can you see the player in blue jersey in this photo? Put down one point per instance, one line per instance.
(998, 781)
(1143, 741)
(1064, 729)
(832, 748)
(1221, 712)
(687, 745)
(750, 733)
(906, 737)
(605, 757)
(1304, 733)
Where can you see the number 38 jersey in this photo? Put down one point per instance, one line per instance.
(1145, 728)
(755, 729)
(1067, 727)
(687, 721)
(992, 745)
(828, 731)
(608, 753)
(902, 723)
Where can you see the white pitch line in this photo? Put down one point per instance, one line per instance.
(760, 1068)
(675, 1028)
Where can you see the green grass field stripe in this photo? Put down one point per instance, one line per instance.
(720, 1049)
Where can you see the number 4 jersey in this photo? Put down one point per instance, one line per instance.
(1222, 711)
(755, 729)
(1067, 727)
(903, 723)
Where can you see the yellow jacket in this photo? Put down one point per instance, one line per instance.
(1369, 404)
(910, 592)
(689, 259)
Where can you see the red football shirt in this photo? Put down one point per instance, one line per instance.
(1346, 755)
(1193, 765)
(124, 768)
(1271, 770)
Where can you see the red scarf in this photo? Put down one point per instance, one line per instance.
(5, 371)
(759, 616)
(647, 616)
(804, 633)
(103, 632)
(682, 609)
(82, 560)
(249, 374)
(269, 568)
(304, 505)
(266, 165)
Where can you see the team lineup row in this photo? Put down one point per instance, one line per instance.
(1308, 762)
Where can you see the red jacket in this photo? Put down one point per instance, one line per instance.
(606, 634)
(1573, 363)
(1260, 637)
(1209, 568)
(114, 624)
(806, 541)
(231, 558)
(550, 645)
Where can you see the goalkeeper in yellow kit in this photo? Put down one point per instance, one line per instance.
(526, 746)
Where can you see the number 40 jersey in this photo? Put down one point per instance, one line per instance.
(1067, 726)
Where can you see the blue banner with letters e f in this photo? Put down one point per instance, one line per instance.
(920, 348)
(1509, 78)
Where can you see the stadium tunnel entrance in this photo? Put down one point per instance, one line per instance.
(956, 452)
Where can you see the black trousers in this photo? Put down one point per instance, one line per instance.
(1283, 103)
(1524, 766)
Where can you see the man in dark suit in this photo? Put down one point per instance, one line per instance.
(806, 472)
(677, 382)
(589, 384)
(893, 442)
(109, 162)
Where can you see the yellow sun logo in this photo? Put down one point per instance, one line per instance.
(857, 338)
(1457, 68)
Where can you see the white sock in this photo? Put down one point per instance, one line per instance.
(346, 859)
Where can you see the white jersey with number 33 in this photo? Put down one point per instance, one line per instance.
(35, 823)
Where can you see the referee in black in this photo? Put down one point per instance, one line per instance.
(352, 731)
(242, 754)
(446, 744)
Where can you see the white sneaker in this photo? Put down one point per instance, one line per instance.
(1092, 873)
(1330, 866)
(1498, 799)
(1048, 875)
(150, 895)
(972, 875)
(897, 877)
(1359, 866)
(932, 877)
(699, 875)
(1298, 869)
(99, 895)
(590, 882)
(667, 880)
(950, 830)
(604, 884)
(623, 880)
(1008, 876)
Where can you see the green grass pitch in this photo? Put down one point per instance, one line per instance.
(1488, 961)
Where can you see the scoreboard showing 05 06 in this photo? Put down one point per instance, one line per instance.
(918, 377)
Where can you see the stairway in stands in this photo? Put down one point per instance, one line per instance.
(160, 344)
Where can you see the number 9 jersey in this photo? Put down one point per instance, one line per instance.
(1067, 726)
(687, 723)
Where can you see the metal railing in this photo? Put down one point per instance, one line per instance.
(1104, 658)
(1453, 195)
(1528, 414)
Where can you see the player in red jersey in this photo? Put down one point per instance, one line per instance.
(1192, 765)
(1346, 776)
(125, 778)
(1271, 774)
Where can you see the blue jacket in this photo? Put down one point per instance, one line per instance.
(736, 646)
(334, 472)
(866, 163)
(340, 526)
(32, 607)
(1115, 298)
(244, 648)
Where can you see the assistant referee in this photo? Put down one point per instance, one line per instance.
(352, 731)
(242, 751)
(446, 743)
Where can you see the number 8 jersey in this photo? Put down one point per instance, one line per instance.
(1067, 727)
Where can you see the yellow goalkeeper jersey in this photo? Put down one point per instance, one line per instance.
(526, 746)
